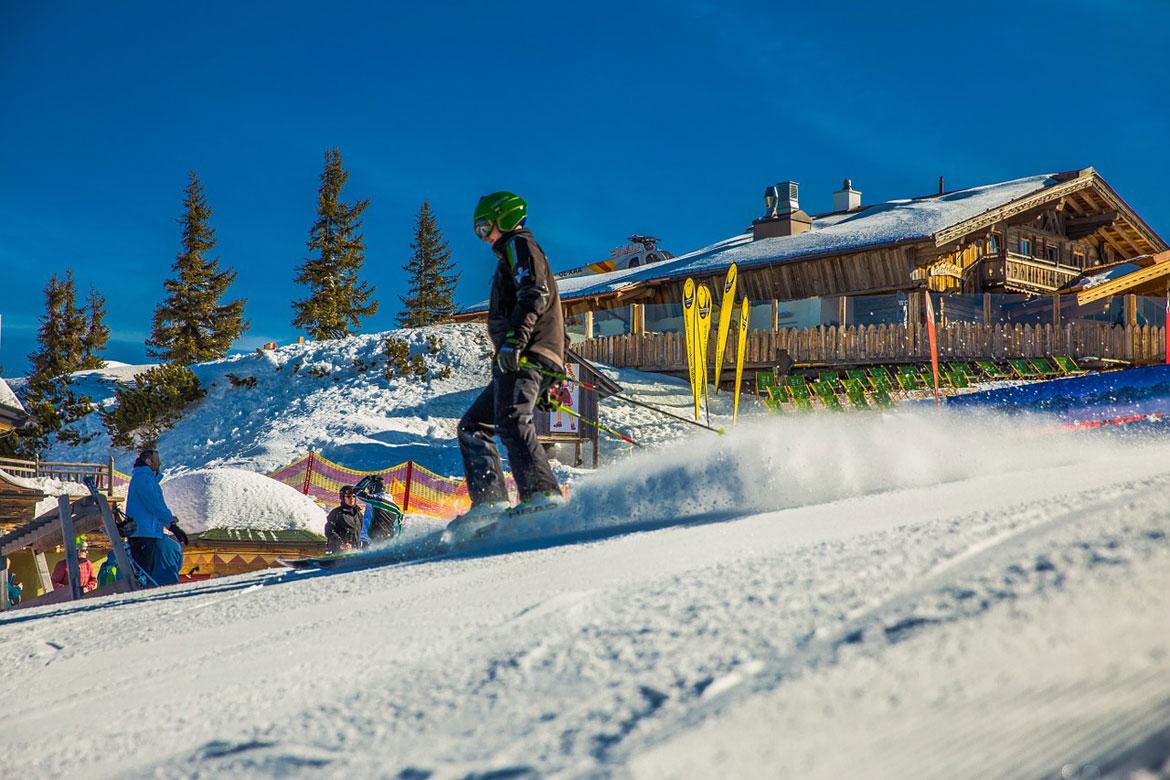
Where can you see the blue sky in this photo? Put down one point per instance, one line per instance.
(663, 118)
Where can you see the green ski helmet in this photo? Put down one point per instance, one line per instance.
(505, 210)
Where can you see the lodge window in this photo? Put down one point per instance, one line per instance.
(992, 244)
(1078, 259)
(1052, 253)
(1026, 247)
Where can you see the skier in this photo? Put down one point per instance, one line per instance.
(343, 526)
(382, 519)
(60, 576)
(524, 322)
(158, 554)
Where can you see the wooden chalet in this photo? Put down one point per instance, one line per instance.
(1041, 238)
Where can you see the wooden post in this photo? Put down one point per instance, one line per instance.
(986, 308)
(406, 490)
(637, 318)
(126, 573)
(588, 324)
(43, 572)
(1131, 310)
(775, 314)
(110, 476)
(65, 512)
(843, 311)
(3, 583)
(308, 473)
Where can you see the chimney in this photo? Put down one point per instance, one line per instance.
(846, 198)
(783, 216)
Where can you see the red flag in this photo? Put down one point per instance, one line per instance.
(934, 344)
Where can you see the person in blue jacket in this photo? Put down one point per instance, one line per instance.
(160, 555)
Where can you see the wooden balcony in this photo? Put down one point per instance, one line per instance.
(1033, 275)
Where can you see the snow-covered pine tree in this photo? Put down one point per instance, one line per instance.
(67, 341)
(191, 325)
(338, 300)
(432, 275)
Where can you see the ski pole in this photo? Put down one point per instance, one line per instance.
(526, 363)
(598, 425)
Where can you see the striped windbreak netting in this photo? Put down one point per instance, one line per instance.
(416, 489)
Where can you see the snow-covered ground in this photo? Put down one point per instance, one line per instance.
(907, 594)
(910, 594)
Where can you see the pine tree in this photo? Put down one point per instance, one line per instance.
(432, 275)
(338, 300)
(191, 325)
(67, 339)
(97, 333)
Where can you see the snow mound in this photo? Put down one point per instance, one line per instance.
(234, 498)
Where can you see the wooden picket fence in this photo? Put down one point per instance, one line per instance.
(857, 345)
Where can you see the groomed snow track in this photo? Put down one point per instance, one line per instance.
(841, 597)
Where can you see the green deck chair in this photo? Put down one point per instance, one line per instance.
(1067, 365)
(991, 370)
(908, 378)
(955, 376)
(856, 392)
(765, 380)
(799, 393)
(966, 369)
(880, 379)
(944, 378)
(881, 398)
(831, 377)
(860, 376)
(774, 405)
(827, 395)
(1043, 367)
(1022, 369)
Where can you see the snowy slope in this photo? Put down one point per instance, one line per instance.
(331, 397)
(814, 596)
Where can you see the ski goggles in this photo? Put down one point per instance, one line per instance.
(483, 229)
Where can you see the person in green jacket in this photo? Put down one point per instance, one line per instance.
(108, 573)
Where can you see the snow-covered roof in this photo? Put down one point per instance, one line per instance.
(12, 414)
(880, 224)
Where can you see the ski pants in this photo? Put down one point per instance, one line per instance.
(160, 557)
(505, 407)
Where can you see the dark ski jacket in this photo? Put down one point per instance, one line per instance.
(343, 527)
(525, 299)
(382, 519)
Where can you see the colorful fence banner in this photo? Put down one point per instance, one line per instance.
(419, 491)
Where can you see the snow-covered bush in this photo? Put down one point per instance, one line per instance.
(152, 405)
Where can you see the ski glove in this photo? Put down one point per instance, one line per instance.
(550, 399)
(508, 357)
(179, 533)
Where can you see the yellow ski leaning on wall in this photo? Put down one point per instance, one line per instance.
(703, 338)
(690, 318)
(726, 307)
(745, 313)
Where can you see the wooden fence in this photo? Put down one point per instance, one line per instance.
(856, 345)
(104, 473)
